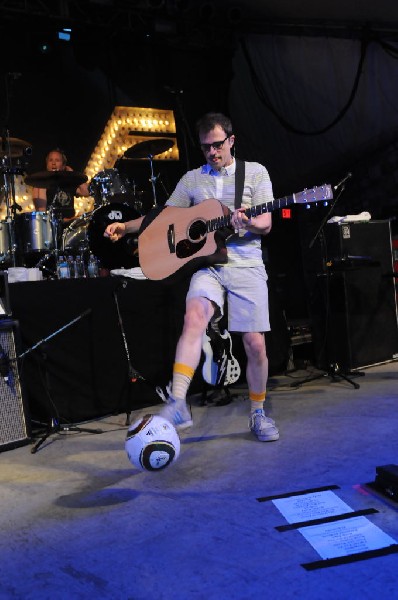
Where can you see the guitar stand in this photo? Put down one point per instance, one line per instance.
(54, 425)
(211, 400)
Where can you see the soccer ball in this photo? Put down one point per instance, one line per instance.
(152, 443)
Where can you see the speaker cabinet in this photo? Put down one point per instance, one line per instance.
(14, 422)
(352, 300)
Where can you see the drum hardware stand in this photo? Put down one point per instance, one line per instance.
(153, 180)
(166, 191)
(9, 188)
(334, 371)
(137, 204)
(133, 374)
(7, 168)
(55, 221)
(40, 265)
(54, 425)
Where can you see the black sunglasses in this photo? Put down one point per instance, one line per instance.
(215, 145)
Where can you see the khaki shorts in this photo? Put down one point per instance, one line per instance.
(244, 288)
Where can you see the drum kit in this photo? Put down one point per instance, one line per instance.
(38, 238)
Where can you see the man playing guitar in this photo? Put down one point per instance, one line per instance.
(242, 280)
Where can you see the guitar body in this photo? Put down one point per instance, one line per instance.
(175, 241)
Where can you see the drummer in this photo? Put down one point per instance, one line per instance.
(61, 199)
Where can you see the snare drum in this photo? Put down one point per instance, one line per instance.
(35, 232)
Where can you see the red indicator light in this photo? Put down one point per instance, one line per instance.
(286, 213)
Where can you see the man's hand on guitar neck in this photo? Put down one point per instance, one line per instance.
(260, 224)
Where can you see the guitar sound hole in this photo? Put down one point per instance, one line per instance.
(197, 230)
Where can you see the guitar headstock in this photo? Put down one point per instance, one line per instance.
(316, 194)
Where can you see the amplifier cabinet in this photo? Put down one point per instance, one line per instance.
(14, 420)
(351, 291)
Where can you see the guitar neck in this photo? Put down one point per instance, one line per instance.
(307, 196)
(259, 209)
(253, 211)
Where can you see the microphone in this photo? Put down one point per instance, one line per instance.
(340, 183)
(4, 365)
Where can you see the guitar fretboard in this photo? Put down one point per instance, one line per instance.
(307, 196)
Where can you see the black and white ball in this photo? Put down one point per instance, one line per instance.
(152, 443)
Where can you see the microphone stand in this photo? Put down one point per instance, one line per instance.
(55, 426)
(321, 227)
(334, 370)
(133, 374)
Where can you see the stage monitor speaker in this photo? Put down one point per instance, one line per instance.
(352, 300)
(5, 307)
(14, 421)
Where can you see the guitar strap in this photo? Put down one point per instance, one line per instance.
(239, 181)
(220, 367)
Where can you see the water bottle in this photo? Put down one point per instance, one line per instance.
(71, 265)
(79, 267)
(63, 268)
(92, 266)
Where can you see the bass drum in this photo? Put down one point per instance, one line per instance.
(113, 255)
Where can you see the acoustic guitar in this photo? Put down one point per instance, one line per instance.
(175, 241)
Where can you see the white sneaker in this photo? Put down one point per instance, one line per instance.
(178, 413)
(263, 427)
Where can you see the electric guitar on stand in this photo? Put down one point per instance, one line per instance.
(176, 241)
(220, 367)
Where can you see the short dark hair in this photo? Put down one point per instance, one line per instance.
(211, 120)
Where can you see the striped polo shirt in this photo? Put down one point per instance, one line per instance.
(204, 182)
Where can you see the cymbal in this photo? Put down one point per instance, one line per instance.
(16, 148)
(149, 148)
(61, 179)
